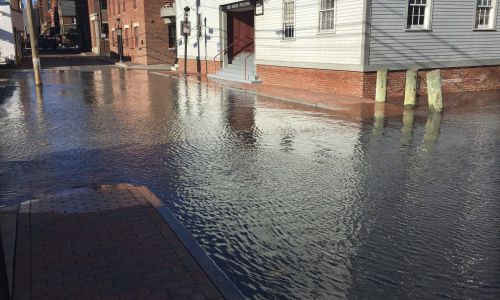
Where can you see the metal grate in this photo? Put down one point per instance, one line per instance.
(288, 19)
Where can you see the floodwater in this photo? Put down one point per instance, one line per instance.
(291, 202)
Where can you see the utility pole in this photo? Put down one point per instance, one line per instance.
(185, 30)
(198, 35)
(34, 45)
(206, 40)
(119, 37)
(99, 32)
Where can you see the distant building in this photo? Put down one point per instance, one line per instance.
(41, 16)
(147, 39)
(11, 32)
(337, 45)
(99, 26)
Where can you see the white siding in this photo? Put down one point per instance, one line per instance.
(339, 50)
(7, 48)
(451, 42)
(310, 47)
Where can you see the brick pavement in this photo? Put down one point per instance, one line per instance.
(107, 242)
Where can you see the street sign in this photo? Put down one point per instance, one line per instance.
(186, 27)
(237, 5)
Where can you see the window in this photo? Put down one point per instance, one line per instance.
(419, 14)
(485, 14)
(288, 19)
(105, 29)
(172, 35)
(327, 15)
(134, 3)
(104, 4)
(124, 9)
(136, 37)
(119, 9)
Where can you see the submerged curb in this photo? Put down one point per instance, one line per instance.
(216, 275)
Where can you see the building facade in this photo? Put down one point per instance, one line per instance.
(11, 32)
(337, 45)
(145, 35)
(43, 19)
(99, 26)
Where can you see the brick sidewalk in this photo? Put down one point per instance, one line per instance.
(104, 243)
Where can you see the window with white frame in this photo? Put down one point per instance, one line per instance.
(485, 14)
(419, 14)
(288, 19)
(327, 15)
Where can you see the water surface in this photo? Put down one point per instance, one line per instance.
(290, 202)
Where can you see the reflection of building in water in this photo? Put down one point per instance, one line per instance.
(240, 114)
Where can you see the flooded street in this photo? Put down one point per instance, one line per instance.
(289, 201)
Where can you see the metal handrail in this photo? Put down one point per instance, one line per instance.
(229, 46)
(246, 57)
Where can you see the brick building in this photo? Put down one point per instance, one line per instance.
(146, 38)
(99, 26)
(41, 9)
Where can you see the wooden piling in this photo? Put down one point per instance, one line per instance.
(378, 118)
(411, 88)
(381, 88)
(408, 124)
(434, 91)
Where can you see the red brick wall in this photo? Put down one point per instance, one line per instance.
(341, 82)
(152, 38)
(192, 68)
(455, 80)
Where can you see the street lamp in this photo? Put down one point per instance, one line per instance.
(186, 29)
(118, 31)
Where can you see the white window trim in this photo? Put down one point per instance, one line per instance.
(294, 21)
(493, 18)
(428, 18)
(325, 31)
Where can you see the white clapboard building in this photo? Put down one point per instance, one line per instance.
(337, 45)
(11, 32)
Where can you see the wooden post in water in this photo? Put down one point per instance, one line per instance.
(434, 91)
(408, 124)
(381, 88)
(34, 44)
(378, 118)
(411, 88)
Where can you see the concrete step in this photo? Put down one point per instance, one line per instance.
(240, 67)
(225, 78)
(241, 61)
(236, 72)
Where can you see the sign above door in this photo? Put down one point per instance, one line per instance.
(242, 5)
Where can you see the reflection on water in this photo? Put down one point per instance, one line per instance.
(290, 202)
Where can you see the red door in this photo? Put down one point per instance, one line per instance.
(240, 32)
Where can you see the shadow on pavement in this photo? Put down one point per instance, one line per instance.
(66, 58)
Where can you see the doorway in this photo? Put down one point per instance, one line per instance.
(240, 33)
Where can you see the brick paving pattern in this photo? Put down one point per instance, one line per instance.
(102, 243)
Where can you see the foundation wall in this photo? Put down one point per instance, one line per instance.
(340, 82)
(213, 66)
(455, 80)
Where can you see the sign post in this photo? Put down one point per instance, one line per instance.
(186, 30)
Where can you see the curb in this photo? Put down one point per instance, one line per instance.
(216, 275)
